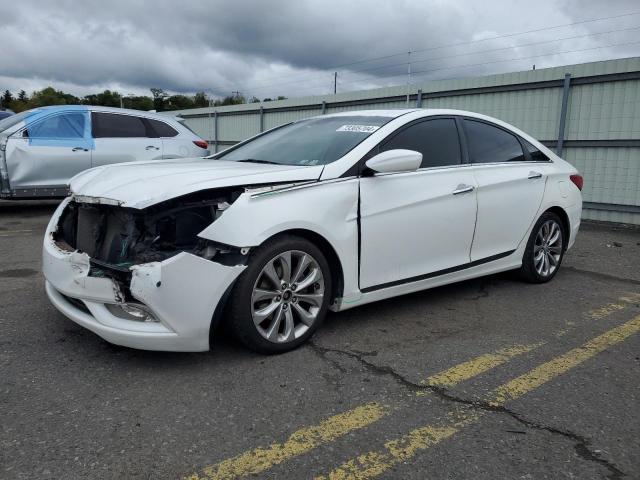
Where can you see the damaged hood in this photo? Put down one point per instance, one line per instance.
(141, 184)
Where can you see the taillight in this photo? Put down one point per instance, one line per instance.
(201, 144)
(577, 181)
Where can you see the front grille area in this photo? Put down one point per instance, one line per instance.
(120, 237)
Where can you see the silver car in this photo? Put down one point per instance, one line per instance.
(41, 149)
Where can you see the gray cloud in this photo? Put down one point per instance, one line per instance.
(291, 47)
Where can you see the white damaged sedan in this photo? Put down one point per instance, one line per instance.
(330, 212)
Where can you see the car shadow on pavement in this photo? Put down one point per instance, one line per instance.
(27, 208)
(226, 350)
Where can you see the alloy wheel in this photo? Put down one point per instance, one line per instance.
(287, 296)
(547, 248)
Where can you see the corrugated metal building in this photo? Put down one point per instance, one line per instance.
(598, 129)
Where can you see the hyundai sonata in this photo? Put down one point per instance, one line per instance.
(330, 212)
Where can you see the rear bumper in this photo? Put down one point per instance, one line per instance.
(574, 212)
(182, 292)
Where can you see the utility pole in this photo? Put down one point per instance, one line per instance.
(335, 82)
(213, 128)
(130, 97)
(408, 75)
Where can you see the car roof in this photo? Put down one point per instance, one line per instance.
(391, 113)
(397, 112)
(140, 113)
(99, 108)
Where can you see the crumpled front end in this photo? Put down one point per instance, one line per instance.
(141, 279)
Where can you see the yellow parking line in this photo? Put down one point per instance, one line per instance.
(559, 365)
(476, 366)
(307, 438)
(621, 304)
(301, 441)
(13, 233)
(396, 451)
(372, 464)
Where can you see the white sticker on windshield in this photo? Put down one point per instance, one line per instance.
(358, 128)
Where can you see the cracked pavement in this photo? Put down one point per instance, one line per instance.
(74, 406)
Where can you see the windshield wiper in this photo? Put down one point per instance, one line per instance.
(254, 160)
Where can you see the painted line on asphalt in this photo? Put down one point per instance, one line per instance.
(478, 365)
(14, 233)
(622, 303)
(261, 459)
(301, 441)
(559, 365)
(483, 363)
(374, 463)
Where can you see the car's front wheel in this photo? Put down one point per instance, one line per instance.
(545, 249)
(282, 297)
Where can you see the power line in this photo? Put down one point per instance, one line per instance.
(501, 61)
(508, 35)
(352, 72)
(451, 56)
(582, 22)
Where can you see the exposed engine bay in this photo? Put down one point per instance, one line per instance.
(118, 237)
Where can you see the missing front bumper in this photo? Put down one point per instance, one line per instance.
(182, 292)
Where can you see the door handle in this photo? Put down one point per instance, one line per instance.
(462, 188)
(79, 149)
(152, 147)
(533, 175)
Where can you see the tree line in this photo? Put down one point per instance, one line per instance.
(159, 100)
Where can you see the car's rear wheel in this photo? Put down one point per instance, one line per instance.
(545, 249)
(282, 297)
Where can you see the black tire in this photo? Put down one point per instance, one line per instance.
(528, 270)
(240, 312)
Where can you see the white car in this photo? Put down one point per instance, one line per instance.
(41, 149)
(330, 212)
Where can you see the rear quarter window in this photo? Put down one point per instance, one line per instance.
(162, 129)
(535, 154)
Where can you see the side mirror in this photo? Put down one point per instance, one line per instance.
(395, 161)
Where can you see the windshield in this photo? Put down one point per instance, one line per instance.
(11, 121)
(316, 141)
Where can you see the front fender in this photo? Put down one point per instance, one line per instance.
(329, 209)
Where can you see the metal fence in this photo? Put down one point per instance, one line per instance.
(589, 113)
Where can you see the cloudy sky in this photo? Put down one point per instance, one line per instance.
(292, 47)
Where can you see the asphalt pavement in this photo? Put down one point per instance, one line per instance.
(486, 379)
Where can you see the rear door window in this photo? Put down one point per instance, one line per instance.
(436, 139)
(113, 125)
(489, 144)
